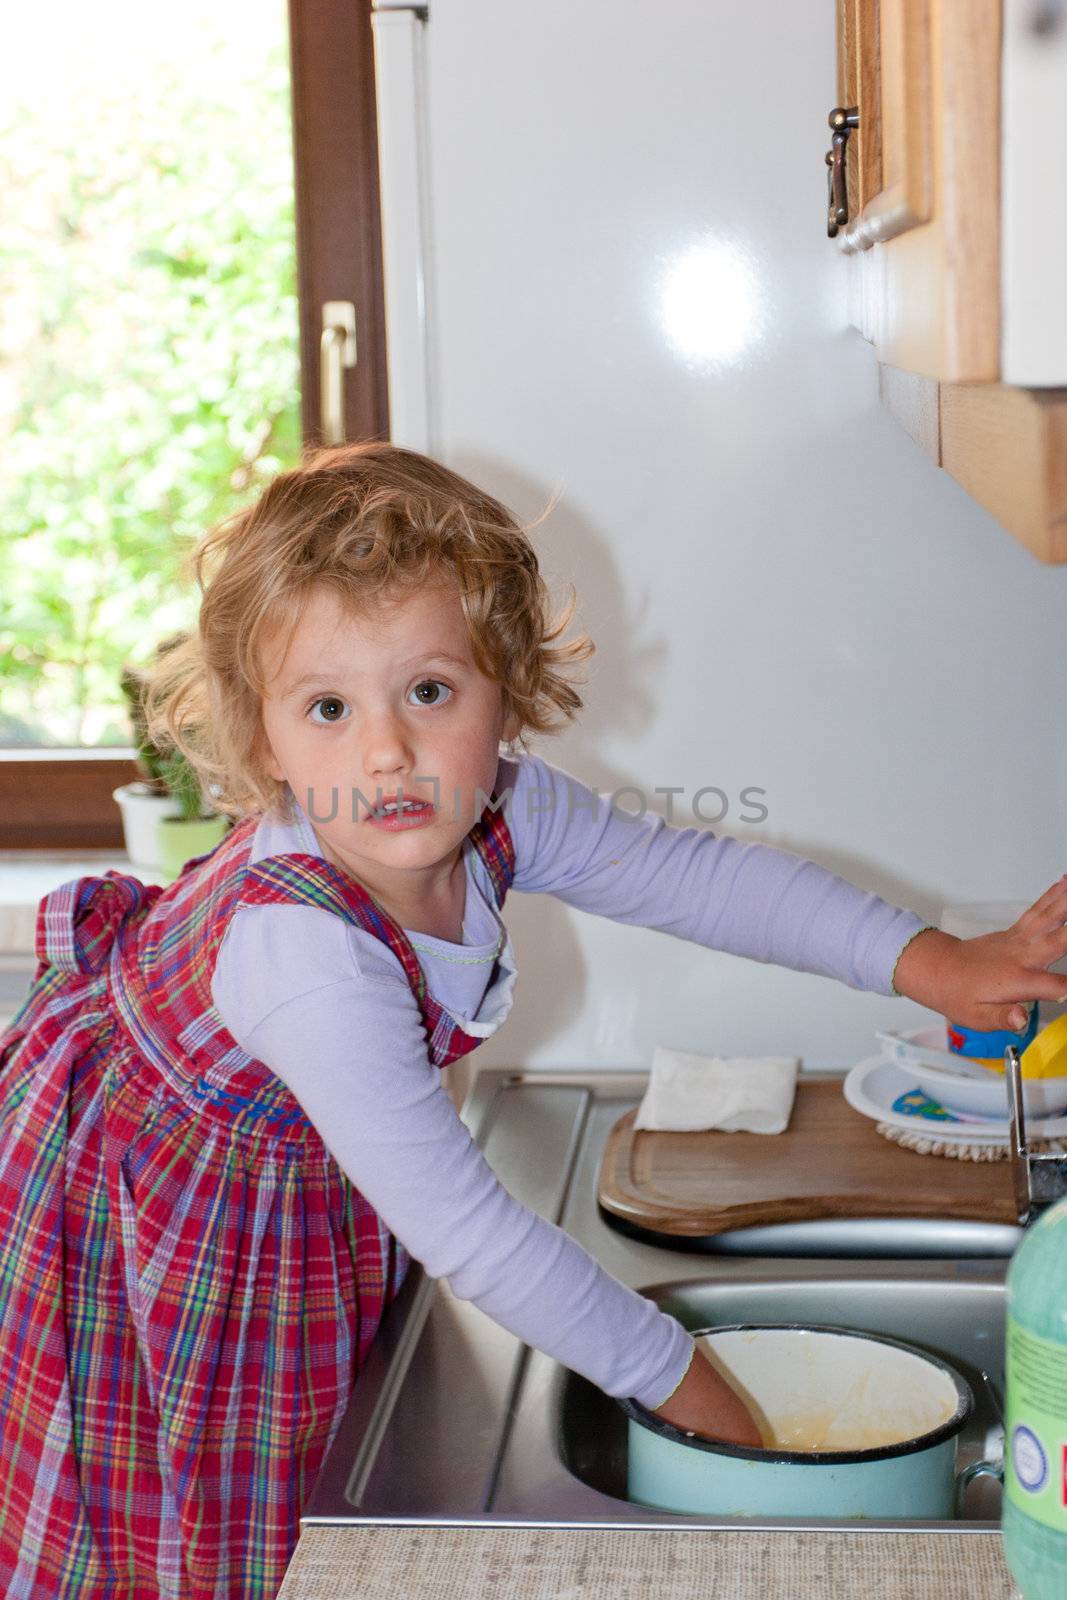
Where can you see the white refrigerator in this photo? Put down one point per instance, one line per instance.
(608, 280)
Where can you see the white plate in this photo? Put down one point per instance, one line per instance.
(873, 1086)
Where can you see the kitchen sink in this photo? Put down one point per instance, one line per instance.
(454, 1421)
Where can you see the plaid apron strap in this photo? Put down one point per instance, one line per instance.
(300, 879)
(491, 837)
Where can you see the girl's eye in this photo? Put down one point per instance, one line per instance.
(432, 684)
(334, 705)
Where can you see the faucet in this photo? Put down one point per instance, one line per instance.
(1038, 1180)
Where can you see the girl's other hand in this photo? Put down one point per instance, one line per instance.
(987, 982)
(704, 1403)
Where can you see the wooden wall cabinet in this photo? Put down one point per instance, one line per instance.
(925, 172)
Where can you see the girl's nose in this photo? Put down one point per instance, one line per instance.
(387, 751)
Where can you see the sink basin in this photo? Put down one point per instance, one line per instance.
(456, 1422)
(961, 1322)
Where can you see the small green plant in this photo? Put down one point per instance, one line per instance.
(166, 770)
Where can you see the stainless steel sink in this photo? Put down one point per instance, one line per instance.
(454, 1421)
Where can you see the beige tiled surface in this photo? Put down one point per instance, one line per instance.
(619, 1564)
(27, 875)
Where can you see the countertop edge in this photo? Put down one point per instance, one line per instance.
(335, 1563)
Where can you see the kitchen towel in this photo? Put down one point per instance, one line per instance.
(741, 1094)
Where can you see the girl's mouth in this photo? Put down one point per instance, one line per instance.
(393, 819)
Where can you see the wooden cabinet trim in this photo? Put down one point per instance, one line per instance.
(1008, 448)
(969, 186)
(915, 403)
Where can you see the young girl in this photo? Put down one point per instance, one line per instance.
(222, 1123)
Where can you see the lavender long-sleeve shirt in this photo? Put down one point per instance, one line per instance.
(329, 1009)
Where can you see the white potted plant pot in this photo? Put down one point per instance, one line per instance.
(143, 808)
(166, 820)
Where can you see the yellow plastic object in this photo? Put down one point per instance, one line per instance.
(1044, 1057)
(1046, 1054)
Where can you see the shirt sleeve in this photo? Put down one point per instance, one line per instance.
(352, 1048)
(748, 899)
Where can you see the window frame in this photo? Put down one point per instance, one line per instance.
(53, 799)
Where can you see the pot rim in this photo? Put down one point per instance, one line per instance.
(140, 789)
(903, 1447)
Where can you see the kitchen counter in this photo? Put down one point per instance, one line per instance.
(624, 1564)
(27, 875)
(470, 1465)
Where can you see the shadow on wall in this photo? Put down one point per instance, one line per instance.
(623, 702)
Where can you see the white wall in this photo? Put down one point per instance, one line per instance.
(785, 593)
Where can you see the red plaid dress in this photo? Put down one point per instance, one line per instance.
(188, 1282)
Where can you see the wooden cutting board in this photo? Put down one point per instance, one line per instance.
(829, 1162)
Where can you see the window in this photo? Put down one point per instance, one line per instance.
(151, 338)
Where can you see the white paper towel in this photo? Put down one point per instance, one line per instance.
(687, 1092)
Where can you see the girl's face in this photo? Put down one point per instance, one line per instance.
(360, 709)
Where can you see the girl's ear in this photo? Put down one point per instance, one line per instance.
(266, 757)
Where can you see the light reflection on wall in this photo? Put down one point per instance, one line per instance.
(709, 304)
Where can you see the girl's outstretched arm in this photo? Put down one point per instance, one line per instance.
(768, 904)
(746, 898)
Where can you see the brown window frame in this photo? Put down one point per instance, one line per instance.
(62, 799)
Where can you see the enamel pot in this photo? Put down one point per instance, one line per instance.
(855, 1425)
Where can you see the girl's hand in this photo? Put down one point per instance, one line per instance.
(705, 1403)
(983, 982)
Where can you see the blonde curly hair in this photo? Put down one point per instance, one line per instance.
(370, 522)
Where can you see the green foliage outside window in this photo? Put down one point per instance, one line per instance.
(149, 377)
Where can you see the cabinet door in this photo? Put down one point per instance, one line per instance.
(883, 67)
(923, 181)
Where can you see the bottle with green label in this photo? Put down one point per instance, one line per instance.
(1035, 1430)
